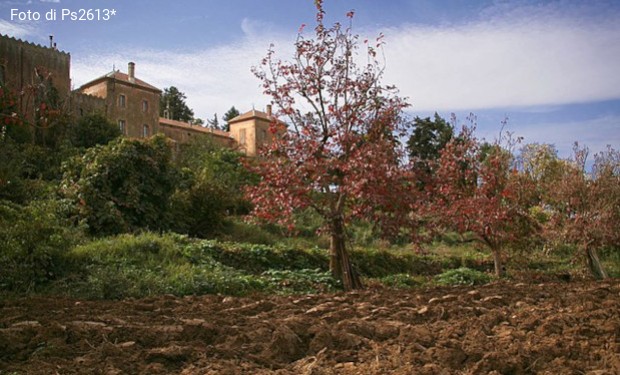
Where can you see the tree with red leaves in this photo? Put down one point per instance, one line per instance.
(585, 208)
(340, 155)
(477, 190)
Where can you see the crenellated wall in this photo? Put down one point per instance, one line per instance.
(25, 64)
(84, 104)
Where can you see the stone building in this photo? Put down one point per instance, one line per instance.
(130, 103)
(125, 100)
(182, 132)
(252, 129)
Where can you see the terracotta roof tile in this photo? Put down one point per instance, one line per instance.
(254, 114)
(195, 128)
(121, 77)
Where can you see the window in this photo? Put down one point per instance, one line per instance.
(145, 131)
(242, 137)
(122, 101)
(122, 127)
(145, 105)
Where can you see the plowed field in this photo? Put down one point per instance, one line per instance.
(501, 328)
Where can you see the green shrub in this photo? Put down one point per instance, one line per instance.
(92, 130)
(123, 186)
(462, 276)
(199, 210)
(34, 240)
(238, 231)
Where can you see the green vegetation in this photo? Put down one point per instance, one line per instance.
(146, 264)
(462, 276)
(87, 214)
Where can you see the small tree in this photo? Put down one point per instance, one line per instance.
(340, 155)
(586, 208)
(214, 123)
(231, 114)
(424, 146)
(478, 190)
(212, 187)
(173, 101)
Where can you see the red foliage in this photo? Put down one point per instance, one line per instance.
(586, 207)
(8, 109)
(478, 192)
(340, 155)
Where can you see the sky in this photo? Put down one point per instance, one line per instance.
(551, 68)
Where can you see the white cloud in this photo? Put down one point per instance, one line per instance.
(213, 79)
(551, 57)
(547, 58)
(17, 30)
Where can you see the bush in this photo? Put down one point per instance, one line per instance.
(199, 210)
(462, 276)
(34, 241)
(380, 263)
(92, 130)
(123, 186)
(241, 232)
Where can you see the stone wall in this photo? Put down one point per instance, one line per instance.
(84, 104)
(24, 65)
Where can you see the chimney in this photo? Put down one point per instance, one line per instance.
(131, 72)
(268, 110)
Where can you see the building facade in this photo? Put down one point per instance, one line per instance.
(252, 130)
(130, 103)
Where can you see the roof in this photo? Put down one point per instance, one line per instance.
(251, 114)
(194, 128)
(117, 75)
(259, 115)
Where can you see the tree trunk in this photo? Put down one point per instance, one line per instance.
(339, 262)
(595, 265)
(497, 262)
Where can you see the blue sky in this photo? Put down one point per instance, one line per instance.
(551, 67)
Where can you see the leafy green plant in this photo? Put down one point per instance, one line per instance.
(305, 281)
(34, 240)
(462, 276)
(402, 281)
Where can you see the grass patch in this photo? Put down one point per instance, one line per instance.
(462, 276)
(402, 281)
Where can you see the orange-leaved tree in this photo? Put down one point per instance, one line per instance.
(340, 155)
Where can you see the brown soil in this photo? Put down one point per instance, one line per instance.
(551, 328)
